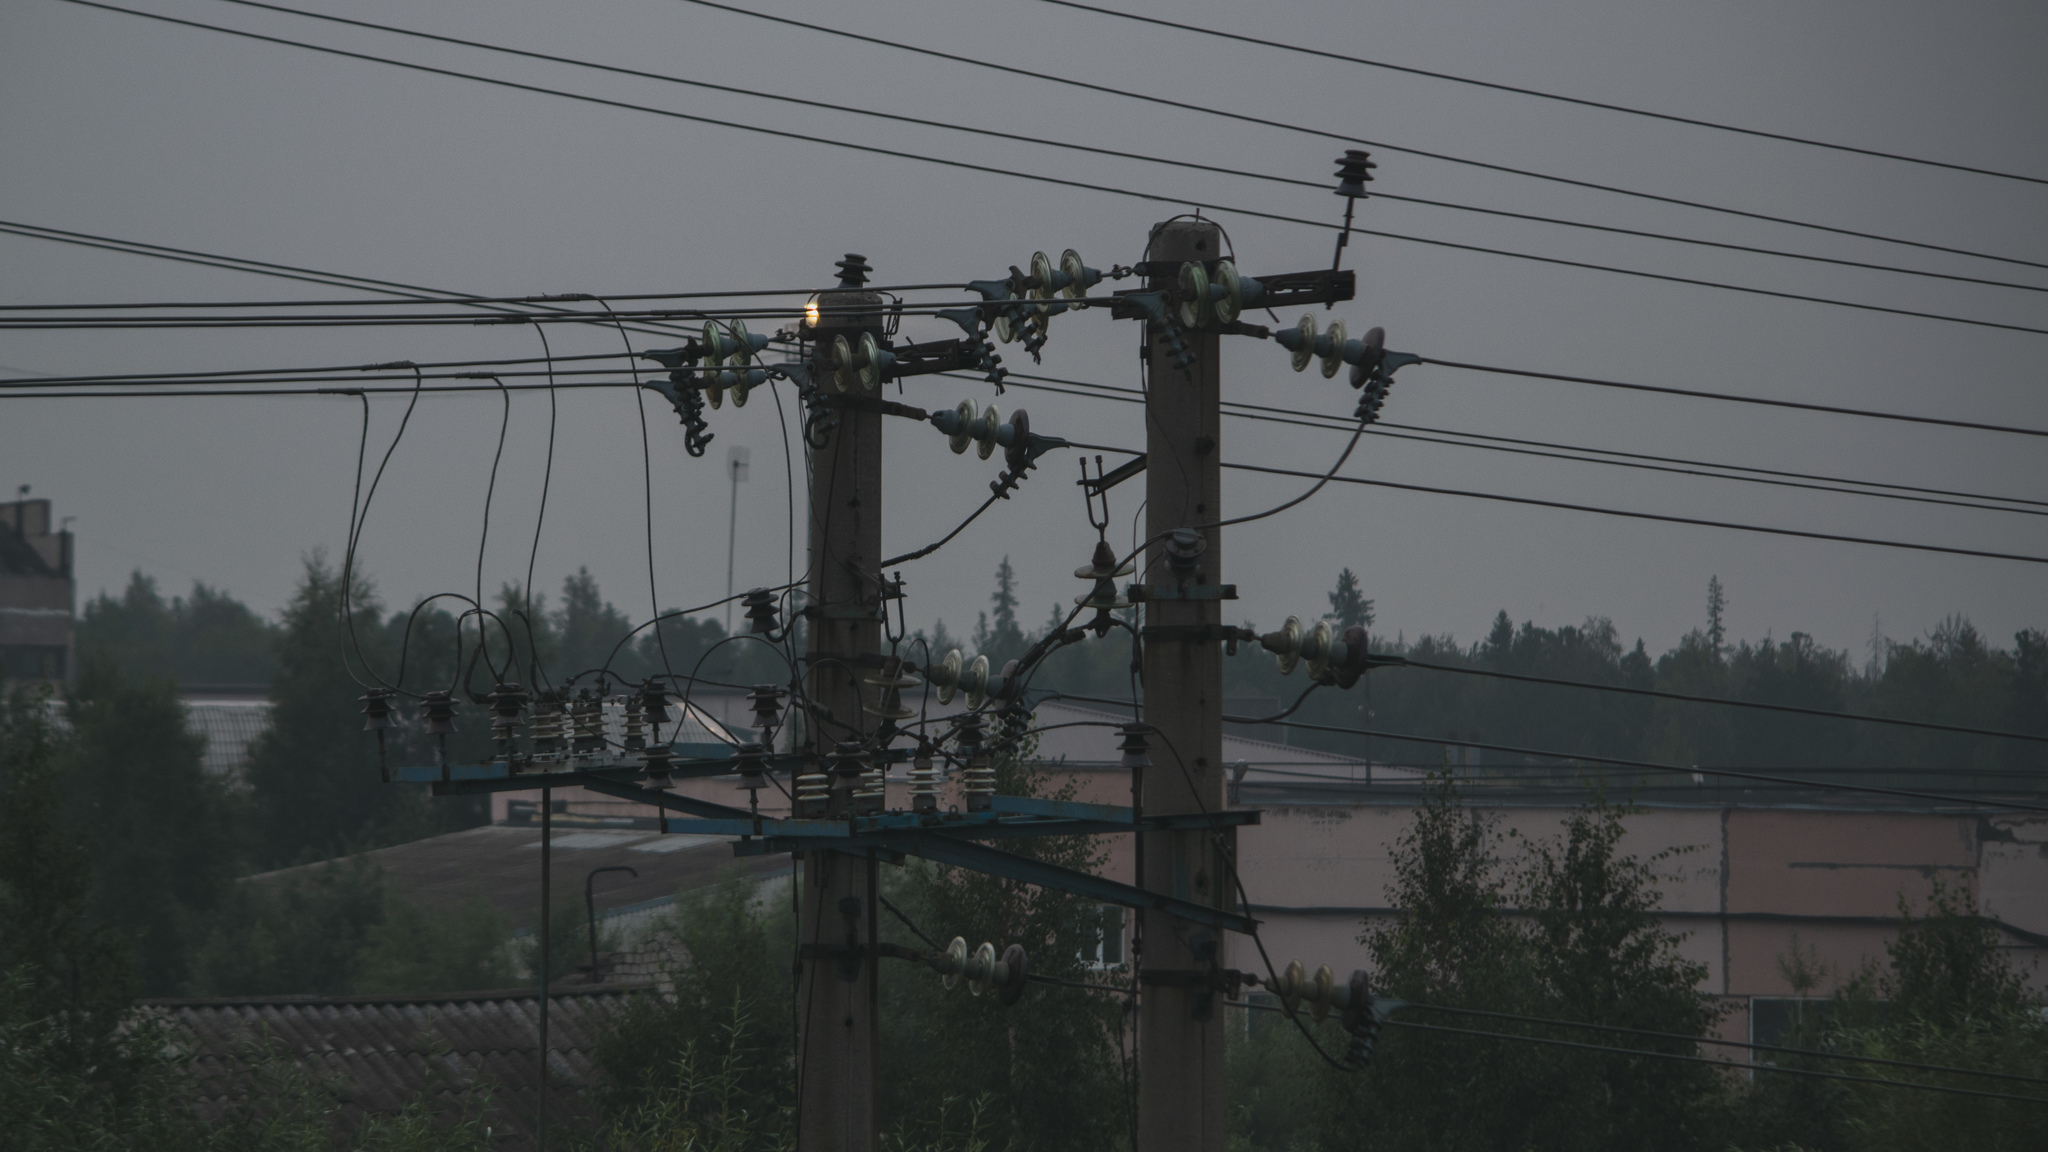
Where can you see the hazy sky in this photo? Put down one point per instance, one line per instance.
(116, 125)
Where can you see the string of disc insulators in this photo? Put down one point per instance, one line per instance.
(1357, 1008)
(1329, 655)
(1372, 365)
(983, 970)
(727, 355)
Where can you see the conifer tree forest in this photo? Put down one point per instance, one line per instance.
(130, 889)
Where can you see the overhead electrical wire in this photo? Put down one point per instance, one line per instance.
(1321, 478)
(1583, 102)
(1862, 718)
(1585, 758)
(545, 298)
(274, 392)
(1337, 423)
(1658, 516)
(252, 267)
(1581, 757)
(1256, 412)
(1538, 777)
(1063, 182)
(1733, 398)
(322, 371)
(1054, 77)
(833, 106)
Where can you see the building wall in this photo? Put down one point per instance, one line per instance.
(1745, 887)
(37, 593)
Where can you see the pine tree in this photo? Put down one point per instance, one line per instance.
(1347, 604)
(998, 636)
(1717, 607)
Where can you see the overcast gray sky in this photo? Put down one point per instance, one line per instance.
(116, 125)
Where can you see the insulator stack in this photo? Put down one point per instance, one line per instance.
(1358, 1009)
(508, 705)
(654, 704)
(950, 678)
(924, 782)
(870, 792)
(1185, 548)
(1103, 596)
(968, 425)
(726, 355)
(813, 791)
(1137, 754)
(548, 743)
(978, 778)
(1332, 658)
(586, 716)
(1354, 172)
(1207, 300)
(377, 710)
(760, 610)
(766, 702)
(636, 724)
(656, 764)
(978, 783)
(983, 970)
(752, 763)
(847, 766)
(438, 710)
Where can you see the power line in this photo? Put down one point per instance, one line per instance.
(1254, 412)
(1541, 95)
(238, 264)
(222, 374)
(1099, 151)
(1405, 662)
(550, 298)
(1529, 775)
(271, 392)
(1658, 516)
(1207, 110)
(500, 316)
(1732, 398)
(1258, 412)
(1062, 182)
(1733, 774)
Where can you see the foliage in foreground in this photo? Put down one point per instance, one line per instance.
(1582, 945)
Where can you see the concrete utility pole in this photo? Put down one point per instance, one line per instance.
(838, 1001)
(1180, 1025)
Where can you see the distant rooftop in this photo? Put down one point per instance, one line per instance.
(376, 1054)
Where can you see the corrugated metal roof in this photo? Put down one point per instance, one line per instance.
(230, 727)
(378, 1054)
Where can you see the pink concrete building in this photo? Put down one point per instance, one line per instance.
(1752, 875)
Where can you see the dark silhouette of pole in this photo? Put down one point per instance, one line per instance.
(547, 808)
(1180, 1030)
(837, 1049)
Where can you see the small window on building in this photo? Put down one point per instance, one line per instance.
(1773, 1019)
(1106, 949)
(32, 662)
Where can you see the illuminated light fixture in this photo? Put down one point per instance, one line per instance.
(811, 313)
